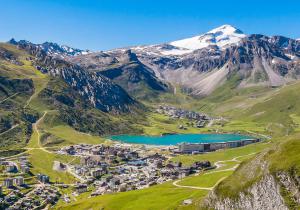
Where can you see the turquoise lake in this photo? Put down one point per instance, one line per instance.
(178, 138)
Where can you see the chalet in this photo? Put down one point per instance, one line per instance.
(97, 172)
(8, 182)
(43, 178)
(81, 188)
(71, 150)
(114, 182)
(18, 181)
(24, 168)
(11, 168)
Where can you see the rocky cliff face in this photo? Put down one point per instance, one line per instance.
(96, 89)
(271, 192)
(124, 68)
(264, 194)
(261, 183)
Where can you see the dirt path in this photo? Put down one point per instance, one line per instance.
(8, 98)
(29, 100)
(190, 187)
(35, 127)
(218, 164)
(14, 126)
(258, 134)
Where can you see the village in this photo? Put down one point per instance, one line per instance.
(20, 191)
(199, 120)
(119, 169)
(103, 168)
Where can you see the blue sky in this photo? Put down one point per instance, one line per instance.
(102, 25)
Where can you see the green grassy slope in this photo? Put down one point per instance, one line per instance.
(279, 110)
(281, 157)
(16, 87)
(164, 196)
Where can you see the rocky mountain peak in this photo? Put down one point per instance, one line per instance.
(226, 29)
(127, 56)
(96, 89)
(221, 37)
(52, 49)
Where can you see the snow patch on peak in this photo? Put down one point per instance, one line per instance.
(225, 29)
(222, 37)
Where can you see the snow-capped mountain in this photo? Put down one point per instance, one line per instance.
(62, 50)
(205, 62)
(55, 49)
(199, 64)
(220, 37)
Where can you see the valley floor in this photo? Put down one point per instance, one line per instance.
(186, 193)
(170, 195)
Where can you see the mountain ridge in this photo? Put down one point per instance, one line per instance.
(98, 90)
(53, 49)
(201, 63)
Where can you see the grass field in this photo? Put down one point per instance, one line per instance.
(205, 180)
(71, 136)
(34, 102)
(34, 140)
(42, 159)
(281, 156)
(42, 162)
(164, 196)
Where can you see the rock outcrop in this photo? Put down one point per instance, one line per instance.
(98, 90)
(125, 69)
(259, 186)
(264, 194)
